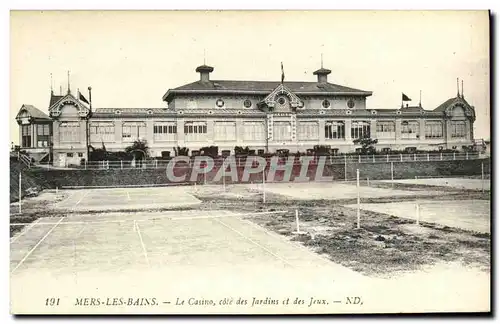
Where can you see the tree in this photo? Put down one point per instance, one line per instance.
(181, 151)
(367, 144)
(139, 149)
(239, 150)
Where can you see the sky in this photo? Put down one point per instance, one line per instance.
(131, 58)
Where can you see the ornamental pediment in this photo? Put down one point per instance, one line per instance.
(282, 99)
(69, 106)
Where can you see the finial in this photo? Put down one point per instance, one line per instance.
(462, 89)
(60, 90)
(420, 100)
(204, 57)
(321, 60)
(51, 84)
(458, 90)
(69, 86)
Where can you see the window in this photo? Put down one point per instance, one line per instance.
(254, 131)
(80, 154)
(102, 132)
(325, 104)
(351, 103)
(69, 154)
(334, 130)
(164, 131)
(26, 136)
(69, 132)
(433, 129)
(195, 131)
(220, 103)
(43, 135)
(282, 131)
(458, 129)
(224, 131)
(132, 131)
(386, 129)
(247, 103)
(308, 130)
(360, 129)
(410, 129)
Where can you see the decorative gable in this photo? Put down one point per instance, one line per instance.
(282, 99)
(458, 108)
(69, 105)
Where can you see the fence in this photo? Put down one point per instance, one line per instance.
(241, 161)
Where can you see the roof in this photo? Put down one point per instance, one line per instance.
(54, 98)
(446, 104)
(263, 87)
(34, 112)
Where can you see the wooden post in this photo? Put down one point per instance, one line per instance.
(454, 158)
(20, 191)
(392, 173)
(264, 185)
(441, 156)
(85, 164)
(297, 220)
(466, 155)
(368, 182)
(121, 164)
(359, 158)
(414, 156)
(482, 176)
(373, 158)
(387, 157)
(223, 177)
(345, 167)
(428, 157)
(417, 212)
(401, 157)
(358, 212)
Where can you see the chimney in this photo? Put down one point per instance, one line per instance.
(204, 71)
(322, 75)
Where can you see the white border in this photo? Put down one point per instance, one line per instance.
(185, 4)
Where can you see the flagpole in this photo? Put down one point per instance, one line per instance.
(87, 119)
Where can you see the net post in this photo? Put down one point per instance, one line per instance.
(359, 158)
(373, 157)
(401, 157)
(454, 156)
(428, 157)
(358, 211)
(387, 157)
(466, 155)
(392, 173)
(56, 190)
(417, 213)
(297, 220)
(264, 185)
(20, 191)
(345, 167)
(223, 177)
(368, 182)
(482, 176)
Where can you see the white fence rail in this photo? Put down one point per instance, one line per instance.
(241, 161)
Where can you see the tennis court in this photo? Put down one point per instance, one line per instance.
(108, 199)
(459, 183)
(471, 215)
(334, 190)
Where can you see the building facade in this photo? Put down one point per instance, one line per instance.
(265, 116)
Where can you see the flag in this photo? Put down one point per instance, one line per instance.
(282, 73)
(405, 98)
(82, 98)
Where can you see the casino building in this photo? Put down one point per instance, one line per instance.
(263, 115)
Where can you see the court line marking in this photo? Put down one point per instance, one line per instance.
(255, 243)
(157, 218)
(83, 196)
(66, 199)
(26, 229)
(296, 245)
(142, 244)
(36, 245)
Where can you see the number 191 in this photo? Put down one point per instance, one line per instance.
(52, 302)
